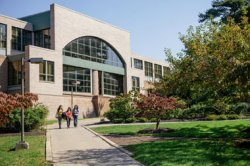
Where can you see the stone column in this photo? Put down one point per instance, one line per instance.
(95, 83)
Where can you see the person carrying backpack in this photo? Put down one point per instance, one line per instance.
(75, 113)
(59, 115)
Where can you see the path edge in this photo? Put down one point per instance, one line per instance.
(109, 141)
(48, 152)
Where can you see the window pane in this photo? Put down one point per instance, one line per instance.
(3, 37)
(46, 70)
(93, 49)
(138, 64)
(72, 74)
(113, 84)
(158, 71)
(135, 83)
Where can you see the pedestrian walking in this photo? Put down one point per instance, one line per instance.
(59, 115)
(75, 113)
(68, 116)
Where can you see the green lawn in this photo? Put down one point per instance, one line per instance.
(49, 122)
(199, 129)
(190, 153)
(35, 156)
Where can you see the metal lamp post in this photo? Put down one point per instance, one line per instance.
(74, 83)
(22, 144)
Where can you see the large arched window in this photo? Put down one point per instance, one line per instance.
(93, 49)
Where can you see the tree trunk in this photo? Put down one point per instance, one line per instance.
(157, 124)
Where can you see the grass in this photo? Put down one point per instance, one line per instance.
(35, 156)
(49, 122)
(198, 129)
(190, 153)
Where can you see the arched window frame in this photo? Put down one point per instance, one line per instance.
(93, 49)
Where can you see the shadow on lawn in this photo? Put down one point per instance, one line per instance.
(184, 152)
(202, 131)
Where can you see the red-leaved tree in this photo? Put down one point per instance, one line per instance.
(155, 106)
(9, 102)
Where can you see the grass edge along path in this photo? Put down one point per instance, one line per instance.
(34, 156)
(194, 129)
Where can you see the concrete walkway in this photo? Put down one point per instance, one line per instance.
(79, 146)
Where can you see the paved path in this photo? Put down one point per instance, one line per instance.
(78, 146)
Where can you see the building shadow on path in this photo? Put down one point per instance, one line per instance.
(93, 157)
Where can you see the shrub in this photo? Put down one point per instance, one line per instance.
(212, 117)
(141, 119)
(33, 119)
(130, 120)
(153, 120)
(222, 117)
(9, 102)
(174, 114)
(118, 114)
(121, 107)
(118, 120)
(233, 116)
(240, 108)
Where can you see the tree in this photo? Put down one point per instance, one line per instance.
(214, 66)
(155, 106)
(227, 8)
(9, 102)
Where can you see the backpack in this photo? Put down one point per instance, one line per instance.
(64, 115)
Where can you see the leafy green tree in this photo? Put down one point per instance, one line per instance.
(214, 66)
(227, 8)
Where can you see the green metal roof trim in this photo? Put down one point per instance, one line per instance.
(92, 65)
(40, 20)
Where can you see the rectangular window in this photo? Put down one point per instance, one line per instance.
(46, 71)
(138, 64)
(166, 70)
(113, 84)
(158, 71)
(148, 69)
(3, 35)
(14, 73)
(27, 38)
(42, 38)
(16, 42)
(20, 38)
(72, 74)
(135, 83)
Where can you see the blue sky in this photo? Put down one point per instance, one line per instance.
(153, 24)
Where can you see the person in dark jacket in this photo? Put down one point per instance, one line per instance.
(75, 113)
